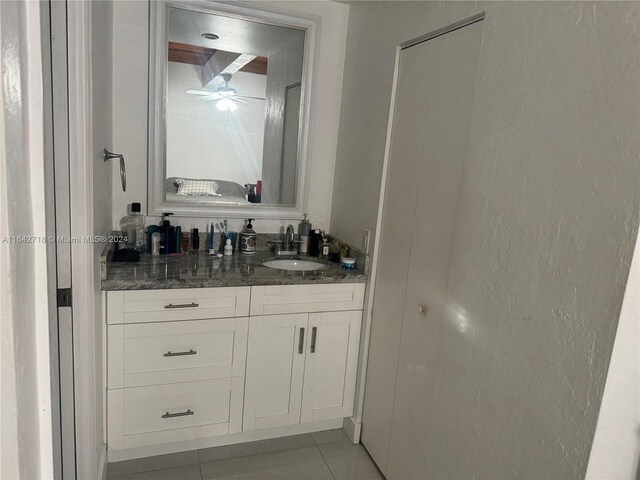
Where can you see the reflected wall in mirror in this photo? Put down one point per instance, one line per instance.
(233, 103)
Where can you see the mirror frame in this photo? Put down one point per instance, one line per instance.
(158, 67)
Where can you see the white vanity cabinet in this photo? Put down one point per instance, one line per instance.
(190, 364)
(175, 364)
(300, 368)
(302, 359)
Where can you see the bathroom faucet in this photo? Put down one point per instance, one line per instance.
(290, 243)
(289, 237)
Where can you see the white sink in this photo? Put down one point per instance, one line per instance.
(293, 264)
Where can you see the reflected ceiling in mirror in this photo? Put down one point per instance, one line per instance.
(233, 93)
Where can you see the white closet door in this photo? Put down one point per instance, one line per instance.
(393, 261)
(275, 370)
(429, 141)
(450, 91)
(331, 365)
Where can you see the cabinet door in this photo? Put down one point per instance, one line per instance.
(331, 364)
(275, 370)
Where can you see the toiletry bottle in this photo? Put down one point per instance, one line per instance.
(212, 240)
(178, 240)
(195, 240)
(314, 241)
(228, 249)
(155, 244)
(150, 231)
(167, 236)
(251, 196)
(323, 246)
(248, 239)
(258, 197)
(186, 242)
(304, 231)
(132, 226)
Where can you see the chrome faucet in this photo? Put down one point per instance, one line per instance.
(289, 246)
(290, 238)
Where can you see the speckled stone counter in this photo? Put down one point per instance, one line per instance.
(199, 270)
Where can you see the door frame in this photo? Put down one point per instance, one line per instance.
(90, 454)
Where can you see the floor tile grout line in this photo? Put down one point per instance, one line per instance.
(372, 460)
(325, 462)
(199, 464)
(254, 454)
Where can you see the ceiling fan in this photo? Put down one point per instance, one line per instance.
(226, 95)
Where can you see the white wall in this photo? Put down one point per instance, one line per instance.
(547, 222)
(202, 141)
(615, 452)
(130, 54)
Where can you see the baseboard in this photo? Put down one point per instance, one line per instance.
(102, 463)
(195, 444)
(352, 428)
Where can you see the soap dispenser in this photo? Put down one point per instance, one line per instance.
(248, 239)
(304, 231)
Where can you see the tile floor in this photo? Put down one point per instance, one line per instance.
(322, 455)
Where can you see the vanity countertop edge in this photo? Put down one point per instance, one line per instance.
(203, 271)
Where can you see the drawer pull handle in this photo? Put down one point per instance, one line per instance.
(179, 414)
(182, 305)
(179, 354)
(301, 342)
(314, 335)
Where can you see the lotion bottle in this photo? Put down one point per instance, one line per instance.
(228, 249)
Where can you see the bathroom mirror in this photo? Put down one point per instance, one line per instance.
(229, 101)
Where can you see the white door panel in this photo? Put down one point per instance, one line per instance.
(428, 147)
(275, 370)
(331, 364)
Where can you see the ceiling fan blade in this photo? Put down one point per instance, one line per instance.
(199, 92)
(212, 96)
(247, 96)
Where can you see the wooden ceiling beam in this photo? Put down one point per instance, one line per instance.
(258, 65)
(191, 54)
(196, 55)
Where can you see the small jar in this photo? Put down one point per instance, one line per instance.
(349, 263)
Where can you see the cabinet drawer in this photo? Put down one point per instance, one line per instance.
(168, 413)
(274, 300)
(171, 352)
(139, 306)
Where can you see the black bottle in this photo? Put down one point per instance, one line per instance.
(195, 240)
(167, 236)
(314, 243)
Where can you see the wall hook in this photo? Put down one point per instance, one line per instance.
(107, 155)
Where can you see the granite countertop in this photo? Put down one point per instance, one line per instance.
(199, 270)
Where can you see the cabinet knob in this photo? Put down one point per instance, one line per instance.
(422, 310)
